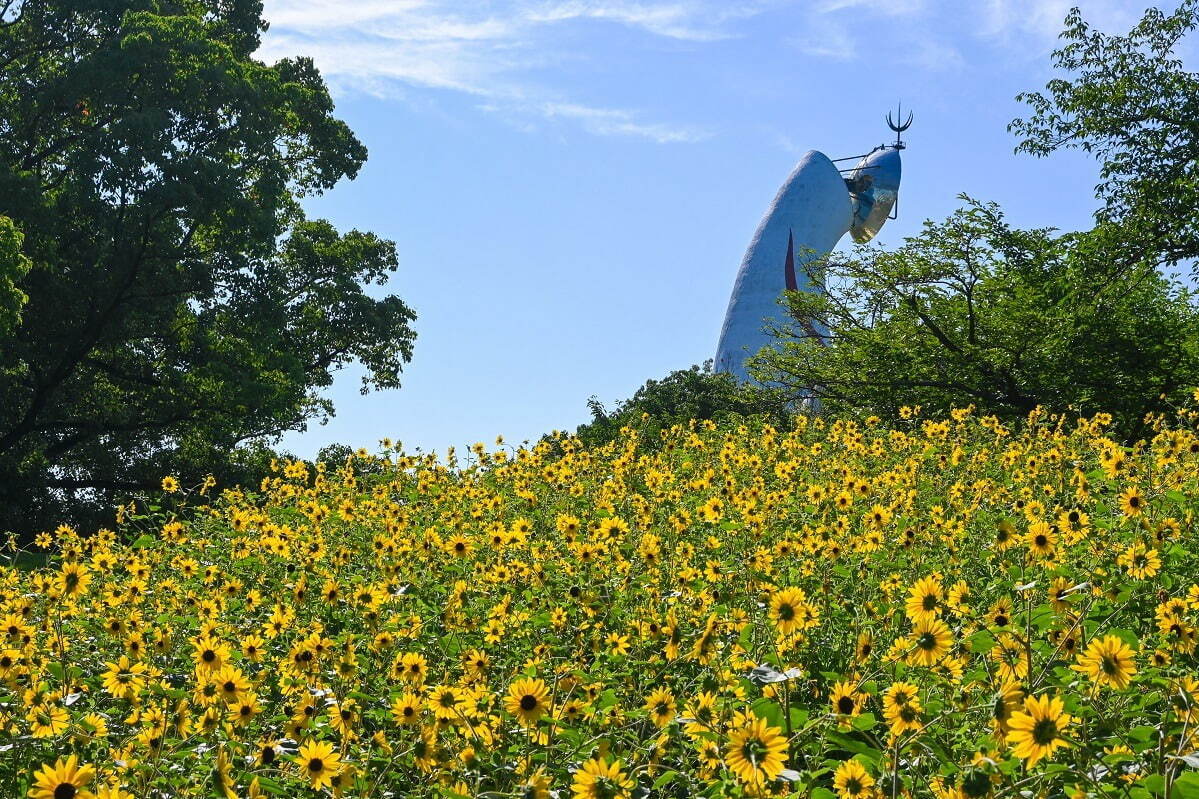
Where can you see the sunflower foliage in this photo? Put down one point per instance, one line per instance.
(950, 607)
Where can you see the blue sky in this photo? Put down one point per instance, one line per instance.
(571, 184)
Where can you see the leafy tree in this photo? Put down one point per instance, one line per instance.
(13, 266)
(974, 311)
(179, 303)
(1128, 101)
(683, 395)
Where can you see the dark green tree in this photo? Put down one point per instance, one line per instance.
(972, 311)
(13, 267)
(1127, 100)
(179, 303)
(683, 395)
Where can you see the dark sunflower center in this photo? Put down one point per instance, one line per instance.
(927, 642)
(929, 602)
(528, 702)
(1001, 620)
(65, 791)
(1044, 732)
(1041, 540)
(753, 749)
(845, 705)
(316, 765)
(786, 612)
(208, 656)
(230, 687)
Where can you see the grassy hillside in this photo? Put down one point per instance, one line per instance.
(950, 608)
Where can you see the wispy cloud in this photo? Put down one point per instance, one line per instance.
(613, 122)
(1010, 19)
(487, 49)
(825, 37)
(935, 32)
(673, 20)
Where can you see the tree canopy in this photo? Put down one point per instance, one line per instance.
(973, 311)
(1127, 100)
(174, 301)
(683, 395)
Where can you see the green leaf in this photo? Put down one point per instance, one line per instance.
(770, 710)
(864, 721)
(1155, 784)
(1185, 786)
(981, 641)
(665, 779)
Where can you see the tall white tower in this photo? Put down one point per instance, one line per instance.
(816, 206)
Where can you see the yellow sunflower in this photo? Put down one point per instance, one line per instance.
(1132, 501)
(1037, 731)
(64, 780)
(1041, 539)
(528, 700)
(845, 700)
(755, 752)
(318, 763)
(661, 706)
(597, 779)
(73, 580)
(902, 708)
(852, 780)
(788, 609)
(925, 599)
(930, 641)
(1107, 661)
(406, 709)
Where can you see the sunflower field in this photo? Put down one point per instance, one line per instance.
(946, 607)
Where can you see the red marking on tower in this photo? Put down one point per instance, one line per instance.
(789, 266)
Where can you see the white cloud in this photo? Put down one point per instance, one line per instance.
(614, 122)
(487, 49)
(932, 54)
(825, 37)
(672, 20)
(1014, 19)
(891, 8)
(934, 33)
